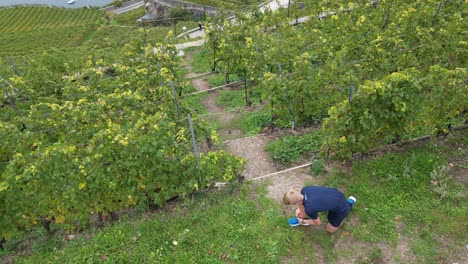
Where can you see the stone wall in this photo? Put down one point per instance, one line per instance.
(160, 8)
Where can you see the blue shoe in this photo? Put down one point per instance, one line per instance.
(293, 221)
(351, 201)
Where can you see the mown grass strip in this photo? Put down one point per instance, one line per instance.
(39, 28)
(17, 19)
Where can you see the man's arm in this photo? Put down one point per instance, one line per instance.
(300, 213)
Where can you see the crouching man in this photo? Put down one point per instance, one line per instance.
(314, 199)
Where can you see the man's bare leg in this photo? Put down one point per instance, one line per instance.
(331, 229)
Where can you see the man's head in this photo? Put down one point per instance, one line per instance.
(292, 198)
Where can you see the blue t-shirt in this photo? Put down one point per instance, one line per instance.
(320, 199)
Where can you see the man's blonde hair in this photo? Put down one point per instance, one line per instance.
(292, 197)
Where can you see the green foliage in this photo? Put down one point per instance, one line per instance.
(386, 111)
(231, 99)
(380, 112)
(446, 96)
(289, 149)
(385, 211)
(96, 141)
(194, 102)
(116, 37)
(386, 50)
(103, 134)
(216, 80)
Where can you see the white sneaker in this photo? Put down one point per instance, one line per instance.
(351, 201)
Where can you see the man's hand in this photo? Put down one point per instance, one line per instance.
(299, 215)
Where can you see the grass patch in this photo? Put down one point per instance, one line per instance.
(232, 99)
(194, 102)
(219, 79)
(202, 60)
(395, 187)
(252, 123)
(398, 196)
(216, 80)
(290, 149)
(214, 228)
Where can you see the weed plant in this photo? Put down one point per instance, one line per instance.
(317, 168)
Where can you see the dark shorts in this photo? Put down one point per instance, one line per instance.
(336, 218)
